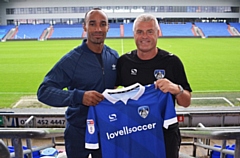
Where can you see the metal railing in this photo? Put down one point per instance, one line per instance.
(217, 133)
(29, 129)
(187, 118)
(17, 134)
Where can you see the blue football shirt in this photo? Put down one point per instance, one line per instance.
(129, 122)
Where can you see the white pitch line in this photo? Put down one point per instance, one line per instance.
(18, 103)
(228, 101)
(24, 100)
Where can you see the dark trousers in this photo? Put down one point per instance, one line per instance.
(172, 139)
(75, 143)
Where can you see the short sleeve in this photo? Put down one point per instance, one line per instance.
(91, 137)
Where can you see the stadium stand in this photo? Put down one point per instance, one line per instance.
(176, 29)
(236, 25)
(4, 29)
(128, 30)
(114, 30)
(67, 31)
(30, 31)
(213, 29)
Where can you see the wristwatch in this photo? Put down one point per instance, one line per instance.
(181, 90)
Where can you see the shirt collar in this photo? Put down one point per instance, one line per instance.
(139, 90)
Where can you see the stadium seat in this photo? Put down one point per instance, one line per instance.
(176, 29)
(4, 150)
(236, 25)
(4, 29)
(213, 29)
(67, 31)
(114, 30)
(128, 30)
(28, 31)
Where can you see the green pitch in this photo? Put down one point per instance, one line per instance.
(212, 64)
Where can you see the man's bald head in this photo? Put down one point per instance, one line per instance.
(91, 11)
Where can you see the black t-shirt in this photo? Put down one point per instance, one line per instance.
(131, 69)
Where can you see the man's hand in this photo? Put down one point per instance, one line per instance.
(92, 98)
(183, 99)
(167, 86)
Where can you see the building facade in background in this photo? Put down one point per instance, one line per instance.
(72, 11)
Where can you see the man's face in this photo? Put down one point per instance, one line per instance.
(96, 26)
(146, 35)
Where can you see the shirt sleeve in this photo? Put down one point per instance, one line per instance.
(91, 137)
(170, 116)
(51, 91)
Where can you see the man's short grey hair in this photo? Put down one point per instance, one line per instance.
(145, 18)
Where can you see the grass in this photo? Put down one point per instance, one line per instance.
(212, 64)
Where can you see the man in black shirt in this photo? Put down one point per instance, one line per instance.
(149, 64)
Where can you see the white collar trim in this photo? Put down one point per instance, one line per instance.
(122, 90)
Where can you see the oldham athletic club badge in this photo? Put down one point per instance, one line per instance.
(143, 111)
(159, 74)
(90, 126)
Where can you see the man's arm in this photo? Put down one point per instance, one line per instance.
(182, 96)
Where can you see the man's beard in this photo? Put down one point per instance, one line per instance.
(98, 40)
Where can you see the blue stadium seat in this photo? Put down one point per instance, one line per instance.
(176, 29)
(114, 30)
(128, 30)
(67, 31)
(236, 25)
(4, 29)
(213, 29)
(28, 31)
